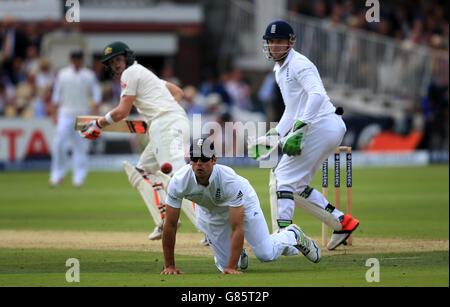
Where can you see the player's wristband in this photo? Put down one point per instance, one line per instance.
(109, 119)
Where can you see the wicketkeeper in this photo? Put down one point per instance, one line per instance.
(310, 129)
(227, 210)
(158, 102)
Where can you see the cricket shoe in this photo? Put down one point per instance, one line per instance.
(349, 224)
(56, 183)
(157, 232)
(305, 244)
(244, 260)
(204, 241)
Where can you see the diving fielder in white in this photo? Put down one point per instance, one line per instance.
(228, 210)
(74, 86)
(311, 130)
(158, 102)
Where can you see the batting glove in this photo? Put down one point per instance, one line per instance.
(263, 144)
(91, 129)
(295, 140)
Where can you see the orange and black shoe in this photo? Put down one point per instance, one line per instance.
(349, 224)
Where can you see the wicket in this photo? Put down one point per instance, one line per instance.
(337, 186)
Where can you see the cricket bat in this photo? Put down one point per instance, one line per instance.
(124, 126)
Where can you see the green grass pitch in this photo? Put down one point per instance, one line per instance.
(410, 203)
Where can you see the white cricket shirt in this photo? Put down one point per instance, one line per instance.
(73, 90)
(299, 79)
(225, 189)
(152, 96)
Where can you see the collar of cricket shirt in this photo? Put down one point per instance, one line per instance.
(277, 66)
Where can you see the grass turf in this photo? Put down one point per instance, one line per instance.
(390, 202)
(41, 267)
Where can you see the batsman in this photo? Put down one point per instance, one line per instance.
(309, 131)
(158, 102)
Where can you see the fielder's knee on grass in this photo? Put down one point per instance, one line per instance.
(265, 250)
(264, 255)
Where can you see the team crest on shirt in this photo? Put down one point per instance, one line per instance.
(122, 84)
(218, 194)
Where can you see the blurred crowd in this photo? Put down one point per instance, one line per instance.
(30, 56)
(32, 53)
(413, 23)
(424, 22)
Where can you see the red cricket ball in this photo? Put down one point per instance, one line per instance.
(166, 168)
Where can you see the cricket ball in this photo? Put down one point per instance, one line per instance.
(166, 168)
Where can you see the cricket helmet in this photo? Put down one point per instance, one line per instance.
(278, 29)
(202, 147)
(117, 48)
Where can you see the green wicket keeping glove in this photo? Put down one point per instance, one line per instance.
(295, 139)
(262, 145)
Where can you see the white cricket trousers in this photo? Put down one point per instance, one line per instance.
(295, 173)
(66, 137)
(265, 246)
(168, 142)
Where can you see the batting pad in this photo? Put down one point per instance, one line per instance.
(153, 197)
(273, 202)
(187, 206)
(317, 212)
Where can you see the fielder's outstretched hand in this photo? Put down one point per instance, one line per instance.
(171, 270)
(91, 129)
(231, 271)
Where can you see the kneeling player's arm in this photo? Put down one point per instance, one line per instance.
(237, 235)
(169, 235)
(120, 112)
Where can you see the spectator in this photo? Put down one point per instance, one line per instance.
(44, 84)
(44, 75)
(26, 95)
(239, 91)
(214, 84)
(17, 73)
(435, 115)
(214, 108)
(168, 74)
(31, 61)
(33, 35)
(13, 43)
(193, 102)
(4, 100)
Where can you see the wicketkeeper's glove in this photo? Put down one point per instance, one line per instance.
(295, 140)
(263, 144)
(91, 130)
